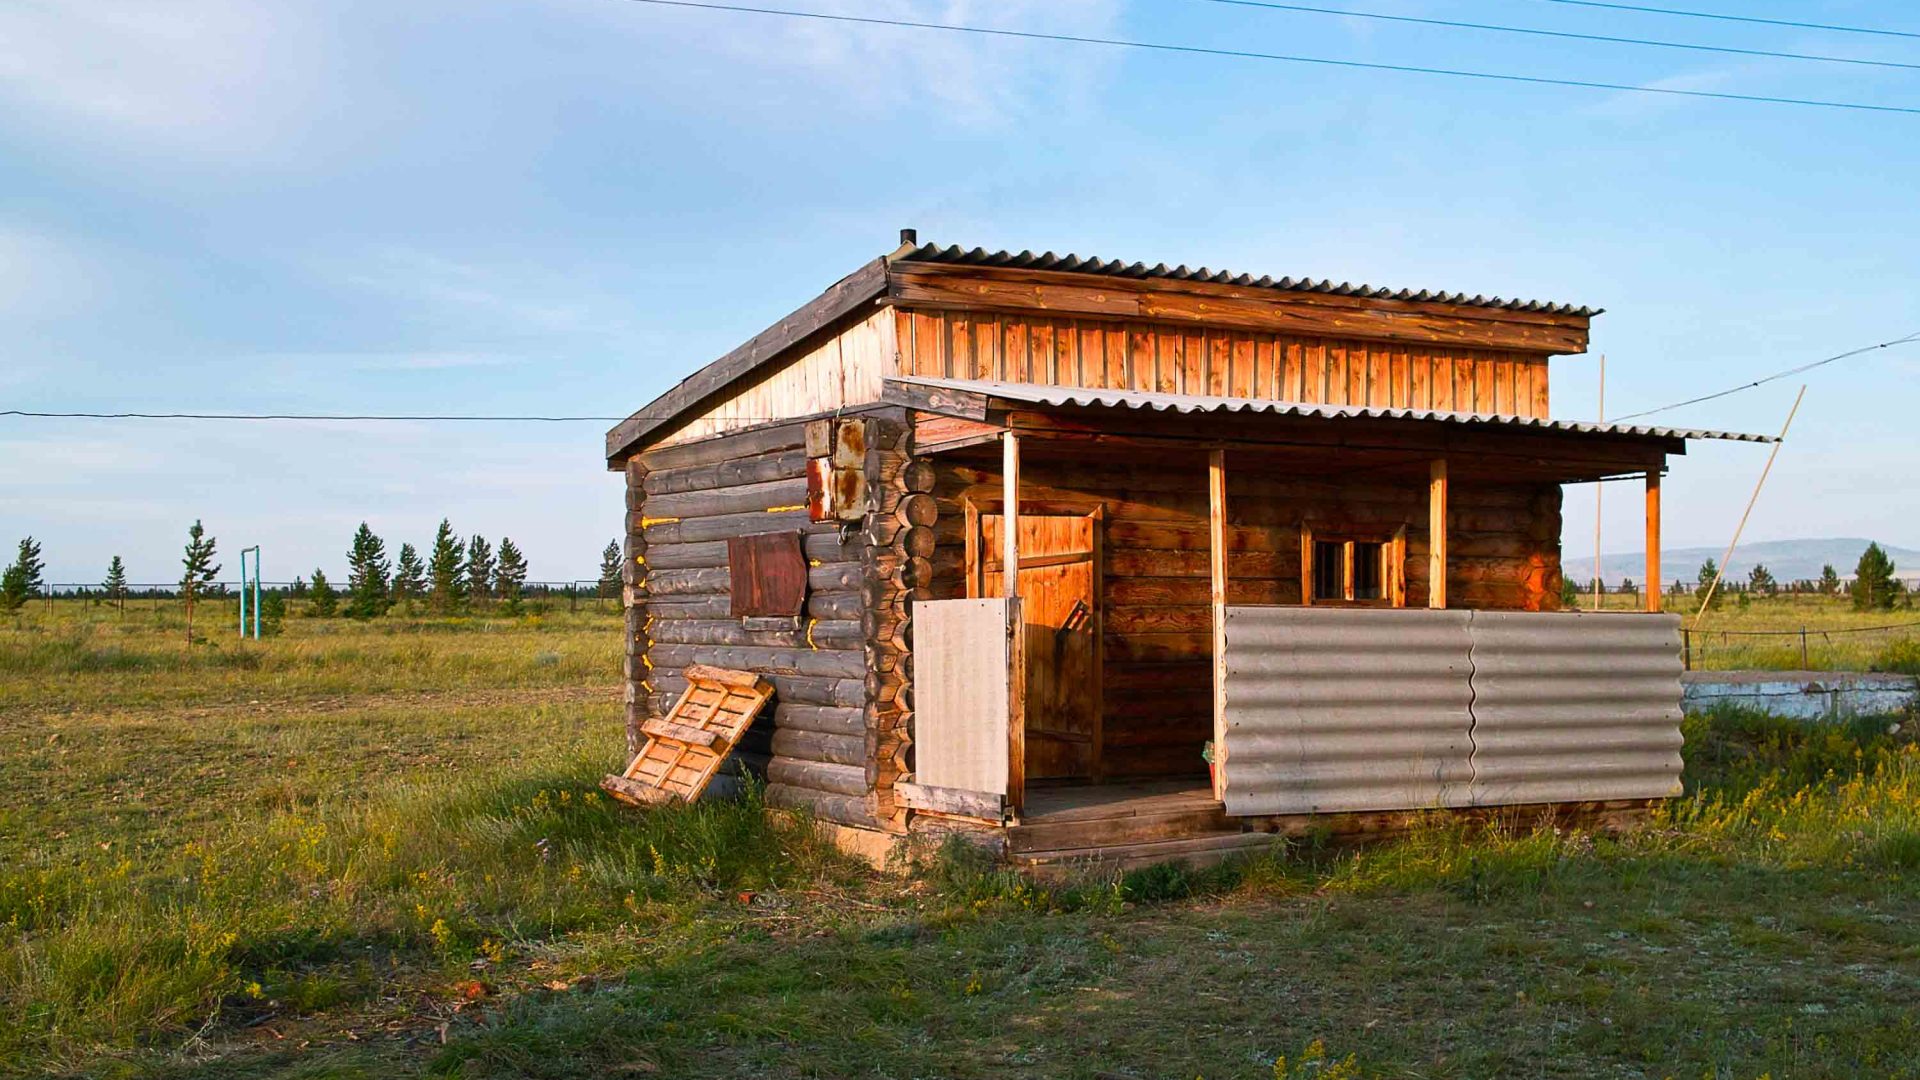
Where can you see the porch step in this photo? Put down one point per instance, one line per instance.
(1194, 851)
(1051, 834)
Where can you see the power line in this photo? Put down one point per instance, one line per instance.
(1739, 18)
(300, 416)
(1501, 28)
(1915, 336)
(1198, 50)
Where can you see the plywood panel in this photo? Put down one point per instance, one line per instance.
(961, 693)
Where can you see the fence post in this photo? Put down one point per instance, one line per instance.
(1803, 649)
(1686, 649)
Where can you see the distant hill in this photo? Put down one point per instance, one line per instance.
(1789, 560)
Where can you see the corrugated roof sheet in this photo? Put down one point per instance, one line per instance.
(1075, 264)
(1200, 403)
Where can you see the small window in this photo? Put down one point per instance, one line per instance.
(1354, 571)
(1329, 570)
(1366, 572)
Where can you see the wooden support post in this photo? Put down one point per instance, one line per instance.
(1653, 540)
(1217, 566)
(1010, 514)
(1016, 624)
(1437, 534)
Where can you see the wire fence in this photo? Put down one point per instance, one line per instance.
(1809, 648)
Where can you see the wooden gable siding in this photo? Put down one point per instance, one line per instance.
(843, 371)
(1176, 359)
(1503, 554)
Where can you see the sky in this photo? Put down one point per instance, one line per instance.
(564, 206)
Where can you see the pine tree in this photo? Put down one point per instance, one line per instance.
(512, 574)
(367, 573)
(446, 571)
(115, 584)
(1708, 571)
(479, 568)
(200, 569)
(610, 563)
(21, 580)
(1760, 580)
(323, 595)
(1829, 581)
(1873, 582)
(299, 587)
(273, 614)
(409, 575)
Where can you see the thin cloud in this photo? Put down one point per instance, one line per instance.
(205, 77)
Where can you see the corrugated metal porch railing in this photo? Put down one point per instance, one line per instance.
(1330, 711)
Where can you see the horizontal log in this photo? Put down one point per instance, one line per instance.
(790, 689)
(918, 542)
(1127, 562)
(919, 475)
(824, 547)
(1120, 675)
(1160, 591)
(1157, 648)
(822, 606)
(946, 800)
(918, 509)
(828, 577)
(745, 498)
(759, 469)
(818, 776)
(822, 718)
(764, 440)
(691, 528)
(840, 809)
(814, 633)
(820, 746)
(836, 663)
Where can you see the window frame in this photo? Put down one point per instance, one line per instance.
(1393, 567)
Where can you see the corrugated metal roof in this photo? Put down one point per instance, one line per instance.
(1075, 264)
(1200, 403)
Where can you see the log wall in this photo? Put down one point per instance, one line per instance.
(1185, 359)
(816, 748)
(1157, 710)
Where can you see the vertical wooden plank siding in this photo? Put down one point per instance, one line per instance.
(1437, 534)
(1654, 585)
(1217, 592)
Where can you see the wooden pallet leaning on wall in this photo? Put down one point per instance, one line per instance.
(685, 748)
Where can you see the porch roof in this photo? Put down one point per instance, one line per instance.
(962, 393)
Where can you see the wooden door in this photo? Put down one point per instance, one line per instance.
(1059, 590)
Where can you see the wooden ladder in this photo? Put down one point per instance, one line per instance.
(685, 748)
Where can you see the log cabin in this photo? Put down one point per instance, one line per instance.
(1078, 558)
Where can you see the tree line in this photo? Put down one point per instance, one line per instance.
(454, 577)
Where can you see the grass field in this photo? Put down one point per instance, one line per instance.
(377, 850)
(1765, 633)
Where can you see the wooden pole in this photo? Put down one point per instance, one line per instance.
(1653, 540)
(1217, 567)
(1016, 624)
(1599, 490)
(1701, 615)
(1010, 515)
(1437, 534)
